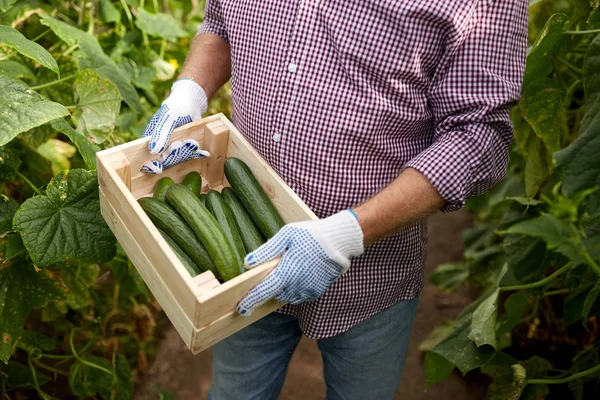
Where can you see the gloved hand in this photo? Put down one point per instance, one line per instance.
(315, 254)
(186, 103)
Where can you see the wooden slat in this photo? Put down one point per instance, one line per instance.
(152, 244)
(216, 138)
(123, 168)
(227, 325)
(157, 286)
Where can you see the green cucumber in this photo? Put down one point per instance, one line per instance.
(160, 191)
(193, 181)
(165, 218)
(222, 213)
(253, 197)
(206, 227)
(251, 236)
(187, 262)
(202, 198)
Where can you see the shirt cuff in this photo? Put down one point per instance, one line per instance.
(213, 27)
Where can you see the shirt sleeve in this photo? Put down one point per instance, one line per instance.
(470, 98)
(213, 20)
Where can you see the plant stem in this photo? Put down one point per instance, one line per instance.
(127, 12)
(582, 32)
(156, 9)
(57, 356)
(49, 368)
(570, 378)
(558, 291)
(29, 183)
(42, 394)
(567, 64)
(48, 84)
(41, 35)
(541, 282)
(70, 50)
(163, 44)
(81, 360)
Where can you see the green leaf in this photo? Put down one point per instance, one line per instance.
(538, 61)
(20, 376)
(579, 164)
(98, 105)
(66, 222)
(21, 290)
(122, 382)
(483, 324)
(30, 49)
(6, 4)
(39, 340)
(590, 300)
(526, 257)
(22, 108)
(556, 233)
(79, 281)
(10, 160)
(438, 334)
(96, 58)
(16, 68)
(15, 246)
(508, 378)
(58, 153)
(514, 308)
(87, 149)
(437, 369)
(109, 12)
(542, 107)
(162, 25)
(458, 349)
(8, 207)
(86, 381)
(448, 277)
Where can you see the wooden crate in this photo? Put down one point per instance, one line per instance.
(201, 309)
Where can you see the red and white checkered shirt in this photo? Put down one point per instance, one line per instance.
(340, 95)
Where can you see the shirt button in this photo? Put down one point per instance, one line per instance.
(292, 68)
(276, 137)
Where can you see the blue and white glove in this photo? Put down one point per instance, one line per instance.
(315, 254)
(186, 103)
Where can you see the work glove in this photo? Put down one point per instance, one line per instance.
(314, 254)
(186, 103)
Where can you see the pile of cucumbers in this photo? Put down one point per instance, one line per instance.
(213, 231)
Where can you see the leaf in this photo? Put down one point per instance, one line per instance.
(6, 4)
(86, 381)
(98, 105)
(590, 300)
(8, 207)
(66, 222)
(122, 383)
(87, 149)
(437, 369)
(109, 12)
(22, 108)
(28, 48)
(448, 277)
(556, 233)
(579, 164)
(524, 201)
(10, 160)
(538, 60)
(542, 107)
(162, 25)
(79, 281)
(20, 376)
(21, 290)
(526, 257)
(438, 334)
(514, 308)
(15, 246)
(458, 349)
(96, 59)
(535, 367)
(16, 68)
(39, 340)
(58, 153)
(483, 324)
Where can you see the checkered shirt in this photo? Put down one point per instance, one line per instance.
(340, 95)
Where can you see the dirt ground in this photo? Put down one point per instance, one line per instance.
(188, 377)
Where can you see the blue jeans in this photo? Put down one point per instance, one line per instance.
(363, 363)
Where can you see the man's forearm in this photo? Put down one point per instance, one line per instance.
(208, 63)
(409, 198)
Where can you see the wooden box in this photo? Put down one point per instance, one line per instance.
(201, 308)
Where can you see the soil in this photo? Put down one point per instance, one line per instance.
(188, 377)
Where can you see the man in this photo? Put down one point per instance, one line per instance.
(377, 114)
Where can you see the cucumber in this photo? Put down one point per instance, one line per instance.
(222, 213)
(165, 218)
(253, 197)
(251, 236)
(206, 227)
(187, 262)
(193, 181)
(160, 191)
(202, 198)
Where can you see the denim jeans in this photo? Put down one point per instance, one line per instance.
(363, 363)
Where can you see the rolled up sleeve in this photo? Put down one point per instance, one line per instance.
(213, 20)
(470, 97)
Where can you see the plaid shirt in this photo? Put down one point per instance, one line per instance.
(340, 95)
